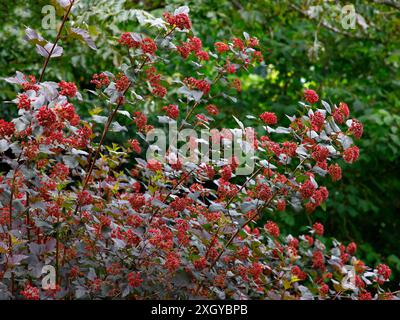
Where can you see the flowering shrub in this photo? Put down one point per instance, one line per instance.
(163, 227)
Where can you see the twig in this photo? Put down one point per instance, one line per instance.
(107, 126)
(240, 229)
(394, 4)
(243, 185)
(328, 26)
(56, 40)
(98, 149)
(184, 176)
(234, 236)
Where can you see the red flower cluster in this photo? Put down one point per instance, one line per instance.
(317, 121)
(257, 56)
(351, 154)
(384, 271)
(289, 148)
(30, 293)
(30, 84)
(60, 171)
(255, 270)
(154, 165)
(137, 200)
(351, 248)
(307, 189)
(365, 296)
(324, 289)
(269, 118)
(212, 110)
(84, 198)
(6, 128)
(311, 96)
(318, 228)
(272, 228)
(229, 67)
(253, 42)
(318, 260)
(140, 120)
(172, 111)
(67, 112)
(238, 44)
(179, 204)
(155, 80)
(46, 117)
(100, 80)
(67, 89)
(200, 263)
(135, 145)
(263, 192)
(134, 279)
(221, 47)
(193, 45)
(180, 20)
(281, 205)
(335, 172)
(341, 113)
(296, 271)
(148, 46)
(122, 83)
(226, 173)
(317, 198)
(320, 153)
(356, 128)
(202, 85)
(24, 102)
(127, 40)
(172, 262)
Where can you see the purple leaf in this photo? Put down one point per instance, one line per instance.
(84, 35)
(45, 51)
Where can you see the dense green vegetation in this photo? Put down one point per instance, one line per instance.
(358, 66)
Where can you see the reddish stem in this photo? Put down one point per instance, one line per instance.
(56, 40)
(240, 229)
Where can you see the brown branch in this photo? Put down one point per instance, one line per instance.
(184, 176)
(241, 228)
(390, 3)
(103, 136)
(328, 26)
(243, 185)
(233, 237)
(10, 219)
(106, 129)
(57, 38)
(98, 149)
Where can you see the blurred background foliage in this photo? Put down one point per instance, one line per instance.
(304, 45)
